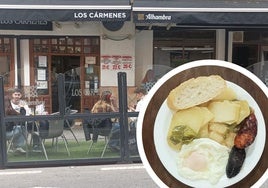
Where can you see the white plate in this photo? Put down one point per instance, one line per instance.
(168, 156)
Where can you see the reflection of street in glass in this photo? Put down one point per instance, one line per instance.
(266, 78)
(260, 70)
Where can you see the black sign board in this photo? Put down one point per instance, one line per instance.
(203, 18)
(25, 25)
(65, 15)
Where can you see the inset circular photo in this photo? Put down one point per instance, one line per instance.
(203, 124)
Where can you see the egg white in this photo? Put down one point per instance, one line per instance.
(203, 159)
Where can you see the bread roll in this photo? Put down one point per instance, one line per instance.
(195, 91)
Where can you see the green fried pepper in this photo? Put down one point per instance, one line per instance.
(182, 134)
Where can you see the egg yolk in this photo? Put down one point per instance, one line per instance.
(196, 161)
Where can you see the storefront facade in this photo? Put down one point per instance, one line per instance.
(187, 30)
(86, 34)
(89, 44)
(92, 43)
(61, 38)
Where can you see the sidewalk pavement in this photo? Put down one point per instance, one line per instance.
(97, 176)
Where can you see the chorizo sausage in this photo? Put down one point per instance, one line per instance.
(247, 132)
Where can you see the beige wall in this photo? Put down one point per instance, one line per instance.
(143, 53)
(121, 43)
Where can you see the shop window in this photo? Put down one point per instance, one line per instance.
(264, 37)
(51, 56)
(6, 61)
(41, 74)
(70, 41)
(77, 41)
(87, 41)
(181, 55)
(174, 48)
(37, 41)
(245, 55)
(178, 58)
(5, 68)
(251, 36)
(87, 50)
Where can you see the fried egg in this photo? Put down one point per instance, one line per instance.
(203, 159)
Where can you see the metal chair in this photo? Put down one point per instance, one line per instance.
(68, 123)
(101, 129)
(55, 131)
(10, 140)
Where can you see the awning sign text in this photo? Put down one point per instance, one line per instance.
(100, 15)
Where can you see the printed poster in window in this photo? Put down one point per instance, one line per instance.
(42, 61)
(90, 60)
(41, 74)
(41, 84)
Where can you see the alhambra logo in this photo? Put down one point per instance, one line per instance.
(157, 17)
(140, 16)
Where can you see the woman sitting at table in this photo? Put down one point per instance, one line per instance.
(102, 105)
(105, 104)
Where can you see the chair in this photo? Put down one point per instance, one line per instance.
(21, 130)
(55, 131)
(68, 123)
(100, 128)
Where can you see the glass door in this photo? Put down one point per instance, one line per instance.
(70, 67)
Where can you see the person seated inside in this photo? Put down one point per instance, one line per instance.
(15, 105)
(15, 131)
(41, 126)
(149, 80)
(140, 96)
(104, 104)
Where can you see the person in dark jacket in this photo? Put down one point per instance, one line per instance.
(15, 131)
